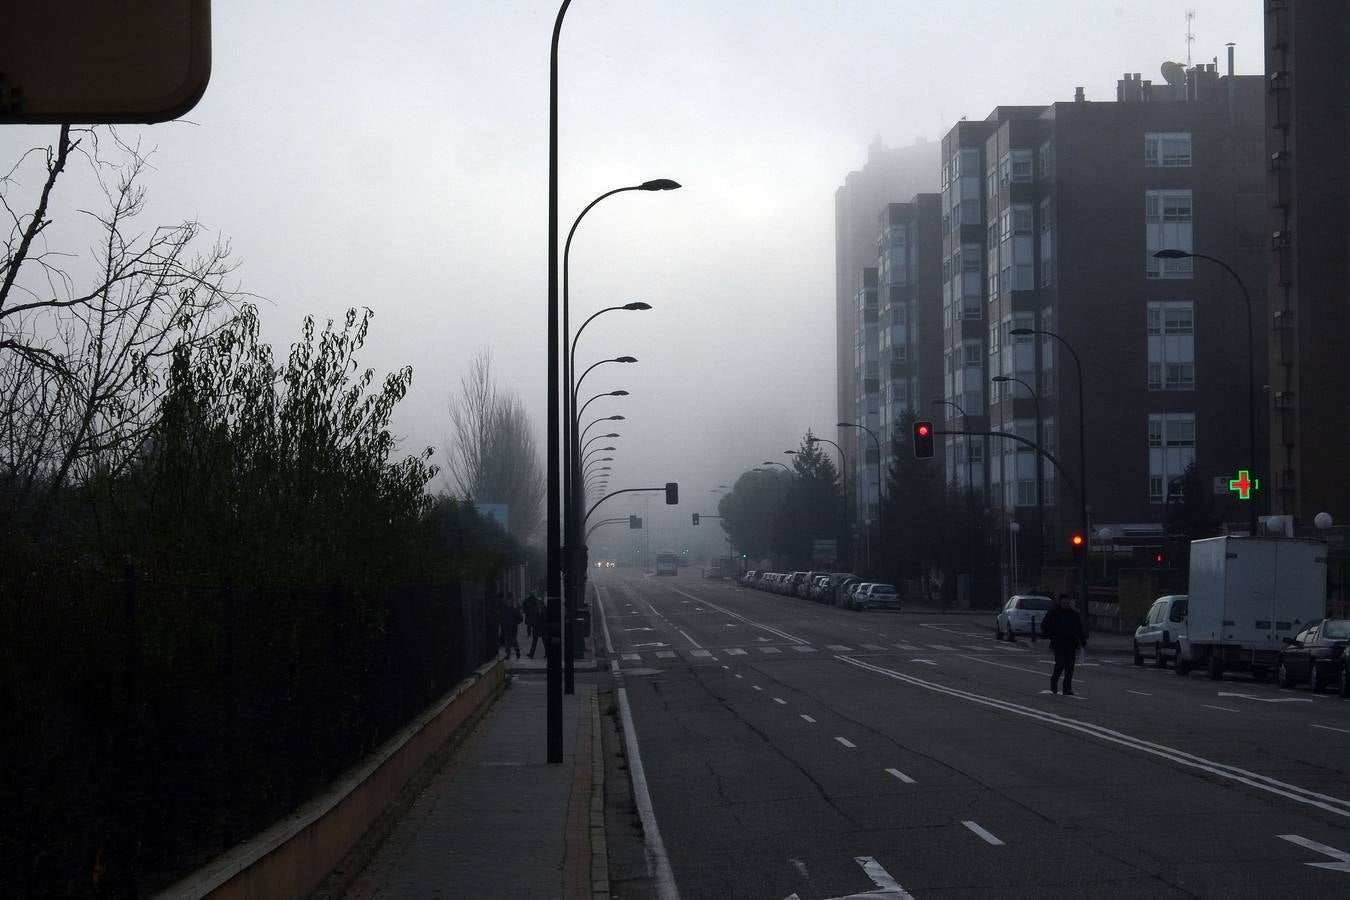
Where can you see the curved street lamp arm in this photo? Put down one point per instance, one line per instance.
(1073, 486)
(657, 490)
(603, 522)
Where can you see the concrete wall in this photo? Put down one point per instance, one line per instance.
(292, 858)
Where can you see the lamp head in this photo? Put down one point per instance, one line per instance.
(791, 452)
(613, 418)
(625, 359)
(1001, 379)
(617, 394)
(612, 434)
(768, 462)
(659, 184)
(1171, 254)
(605, 449)
(1021, 332)
(636, 305)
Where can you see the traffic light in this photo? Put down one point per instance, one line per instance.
(1077, 540)
(744, 555)
(695, 518)
(672, 493)
(923, 439)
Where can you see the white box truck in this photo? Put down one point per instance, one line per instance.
(1246, 596)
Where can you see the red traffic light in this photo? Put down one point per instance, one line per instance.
(1077, 540)
(923, 440)
(923, 430)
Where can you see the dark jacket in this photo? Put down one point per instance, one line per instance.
(1064, 628)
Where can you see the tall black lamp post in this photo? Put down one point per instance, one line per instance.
(1251, 364)
(1040, 473)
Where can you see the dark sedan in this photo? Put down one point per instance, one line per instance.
(1315, 655)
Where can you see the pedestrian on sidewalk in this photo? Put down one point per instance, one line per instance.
(497, 614)
(1064, 627)
(534, 622)
(511, 619)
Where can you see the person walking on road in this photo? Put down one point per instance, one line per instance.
(1063, 626)
(534, 622)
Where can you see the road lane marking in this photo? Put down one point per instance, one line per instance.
(726, 667)
(950, 630)
(989, 662)
(1011, 648)
(739, 675)
(988, 838)
(688, 638)
(757, 687)
(700, 653)
(1221, 708)
(1329, 728)
(808, 719)
(1342, 863)
(942, 647)
(978, 648)
(632, 657)
(1326, 802)
(780, 701)
(802, 648)
(839, 648)
(735, 651)
(875, 647)
(887, 887)
(1140, 693)
(1266, 699)
(926, 662)
(769, 650)
(740, 618)
(665, 654)
(901, 775)
(846, 742)
(908, 648)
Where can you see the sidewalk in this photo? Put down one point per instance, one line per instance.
(498, 820)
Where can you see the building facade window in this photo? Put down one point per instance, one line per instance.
(1046, 161)
(1168, 217)
(1171, 346)
(1167, 149)
(1171, 448)
(1047, 245)
(1020, 161)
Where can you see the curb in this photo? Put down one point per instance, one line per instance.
(599, 848)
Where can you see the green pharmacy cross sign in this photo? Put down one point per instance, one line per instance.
(1244, 485)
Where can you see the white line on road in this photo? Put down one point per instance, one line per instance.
(688, 638)
(740, 618)
(979, 648)
(802, 648)
(665, 654)
(1326, 802)
(908, 648)
(887, 886)
(989, 662)
(739, 675)
(632, 657)
(808, 719)
(780, 701)
(757, 687)
(1329, 728)
(950, 630)
(1140, 693)
(901, 775)
(847, 743)
(988, 838)
(942, 647)
(769, 650)
(700, 653)
(926, 662)
(839, 648)
(1342, 863)
(874, 647)
(735, 651)
(1221, 708)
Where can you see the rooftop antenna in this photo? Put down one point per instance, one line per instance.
(1190, 34)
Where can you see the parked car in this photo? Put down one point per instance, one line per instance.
(878, 596)
(820, 586)
(1160, 632)
(1315, 655)
(749, 577)
(789, 587)
(843, 590)
(1021, 614)
(851, 602)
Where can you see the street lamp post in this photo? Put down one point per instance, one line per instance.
(601, 437)
(1251, 363)
(881, 510)
(843, 472)
(1040, 474)
(1082, 464)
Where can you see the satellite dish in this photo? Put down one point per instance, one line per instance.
(1174, 73)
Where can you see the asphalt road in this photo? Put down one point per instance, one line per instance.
(791, 748)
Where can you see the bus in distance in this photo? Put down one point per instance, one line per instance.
(667, 563)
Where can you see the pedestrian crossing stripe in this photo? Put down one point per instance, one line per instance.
(735, 651)
(803, 648)
(700, 653)
(839, 648)
(769, 650)
(873, 647)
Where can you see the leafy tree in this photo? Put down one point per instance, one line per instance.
(1190, 515)
(813, 506)
(752, 507)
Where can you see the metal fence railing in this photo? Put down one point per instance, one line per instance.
(147, 727)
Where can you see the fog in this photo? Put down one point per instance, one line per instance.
(397, 160)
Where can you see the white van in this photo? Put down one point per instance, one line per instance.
(1159, 635)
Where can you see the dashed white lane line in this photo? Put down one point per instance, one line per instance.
(1012, 648)
(666, 654)
(1221, 708)
(688, 638)
(847, 743)
(780, 701)
(738, 675)
(700, 653)
(757, 687)
(1329, 728)
(735, 651)
(942, 647)
(838, 648)
(1140, 693)
(900, 775)
(808, 719)
(989, 662)
(874, 647)
(769, 650)
(978, 648)
(802, 648)
(984, 835)
(908, 648)
(926, 662)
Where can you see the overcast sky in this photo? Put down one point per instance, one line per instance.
(396, 157)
